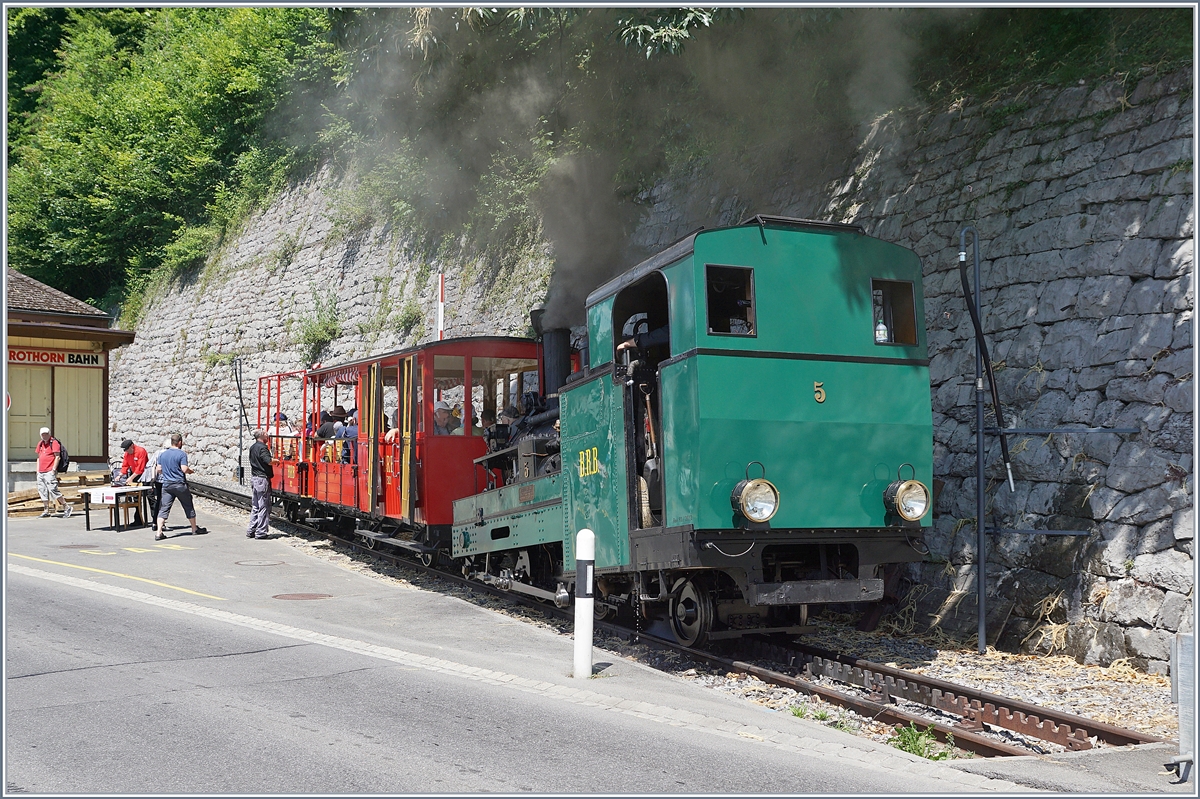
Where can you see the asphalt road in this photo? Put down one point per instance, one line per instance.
(119, 685)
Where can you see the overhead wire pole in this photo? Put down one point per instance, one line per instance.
(983, 364)
(243, 420)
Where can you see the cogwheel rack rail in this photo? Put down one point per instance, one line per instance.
(884, 685)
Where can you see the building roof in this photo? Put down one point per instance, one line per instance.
(28, 294)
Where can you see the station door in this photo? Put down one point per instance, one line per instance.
(31, 390)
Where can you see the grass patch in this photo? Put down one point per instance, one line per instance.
(921, 743)
(987, 52)
(408, 318)
(215, 359)
(319, 330)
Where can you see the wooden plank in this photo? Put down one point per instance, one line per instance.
(27, 513)
(35, 501)
(66, 481)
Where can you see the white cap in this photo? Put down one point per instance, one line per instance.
(44, 430)
(440, 406)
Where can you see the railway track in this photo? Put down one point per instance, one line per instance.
(984, 723)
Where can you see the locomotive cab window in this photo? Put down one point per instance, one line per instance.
(730, 292)
(893, 312)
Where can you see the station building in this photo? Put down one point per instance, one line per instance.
(59, 352)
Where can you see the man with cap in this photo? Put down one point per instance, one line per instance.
(281, 428)
(48, 452)
(133, 465)
(441, 418)
(280, 431)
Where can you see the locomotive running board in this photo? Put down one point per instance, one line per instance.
(384, 538)
(513, 585)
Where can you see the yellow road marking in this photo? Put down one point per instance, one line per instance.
(116, 574)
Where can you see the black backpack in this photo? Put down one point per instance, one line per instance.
(64, 460)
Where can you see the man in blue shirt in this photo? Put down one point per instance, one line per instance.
(172, 469)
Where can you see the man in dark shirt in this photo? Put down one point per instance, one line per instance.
(260, 487)
(327, 430)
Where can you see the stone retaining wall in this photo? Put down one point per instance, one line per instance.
(1083, 199)
(253, 301)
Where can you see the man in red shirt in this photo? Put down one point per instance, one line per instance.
(48, 451)
(133, 465)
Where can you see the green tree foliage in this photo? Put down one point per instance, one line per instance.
(985, 51)
(147, 138)
(139, 136)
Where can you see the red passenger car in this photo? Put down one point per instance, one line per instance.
(395, 478)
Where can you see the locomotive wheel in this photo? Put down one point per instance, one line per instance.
(691, 613)
(292, 512)
(600, 611)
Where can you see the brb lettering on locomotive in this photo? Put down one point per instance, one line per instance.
(589, 462)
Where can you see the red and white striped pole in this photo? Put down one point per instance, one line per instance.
(441, 306)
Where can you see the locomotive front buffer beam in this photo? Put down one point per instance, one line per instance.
(814, 592)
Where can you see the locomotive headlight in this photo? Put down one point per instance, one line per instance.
(909, 498)
(757, 499)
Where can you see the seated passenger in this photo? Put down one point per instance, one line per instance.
(393, 434)
(441, 419)
(282, 437)
(327, 428)
(349, 432)
(475, 429)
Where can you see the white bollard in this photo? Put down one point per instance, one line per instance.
(585, 567)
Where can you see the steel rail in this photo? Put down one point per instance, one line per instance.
(885, 684)
(977, 707)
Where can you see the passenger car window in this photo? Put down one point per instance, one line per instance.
(730, 292)
(893, 312)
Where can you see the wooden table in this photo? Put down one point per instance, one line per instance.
(136, 497)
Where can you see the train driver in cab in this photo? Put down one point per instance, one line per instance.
(644, 341)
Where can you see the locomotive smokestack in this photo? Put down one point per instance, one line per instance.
(556, 355)
(535, 319)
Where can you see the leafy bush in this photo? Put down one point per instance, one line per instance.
(408, 318)
(321, 329)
